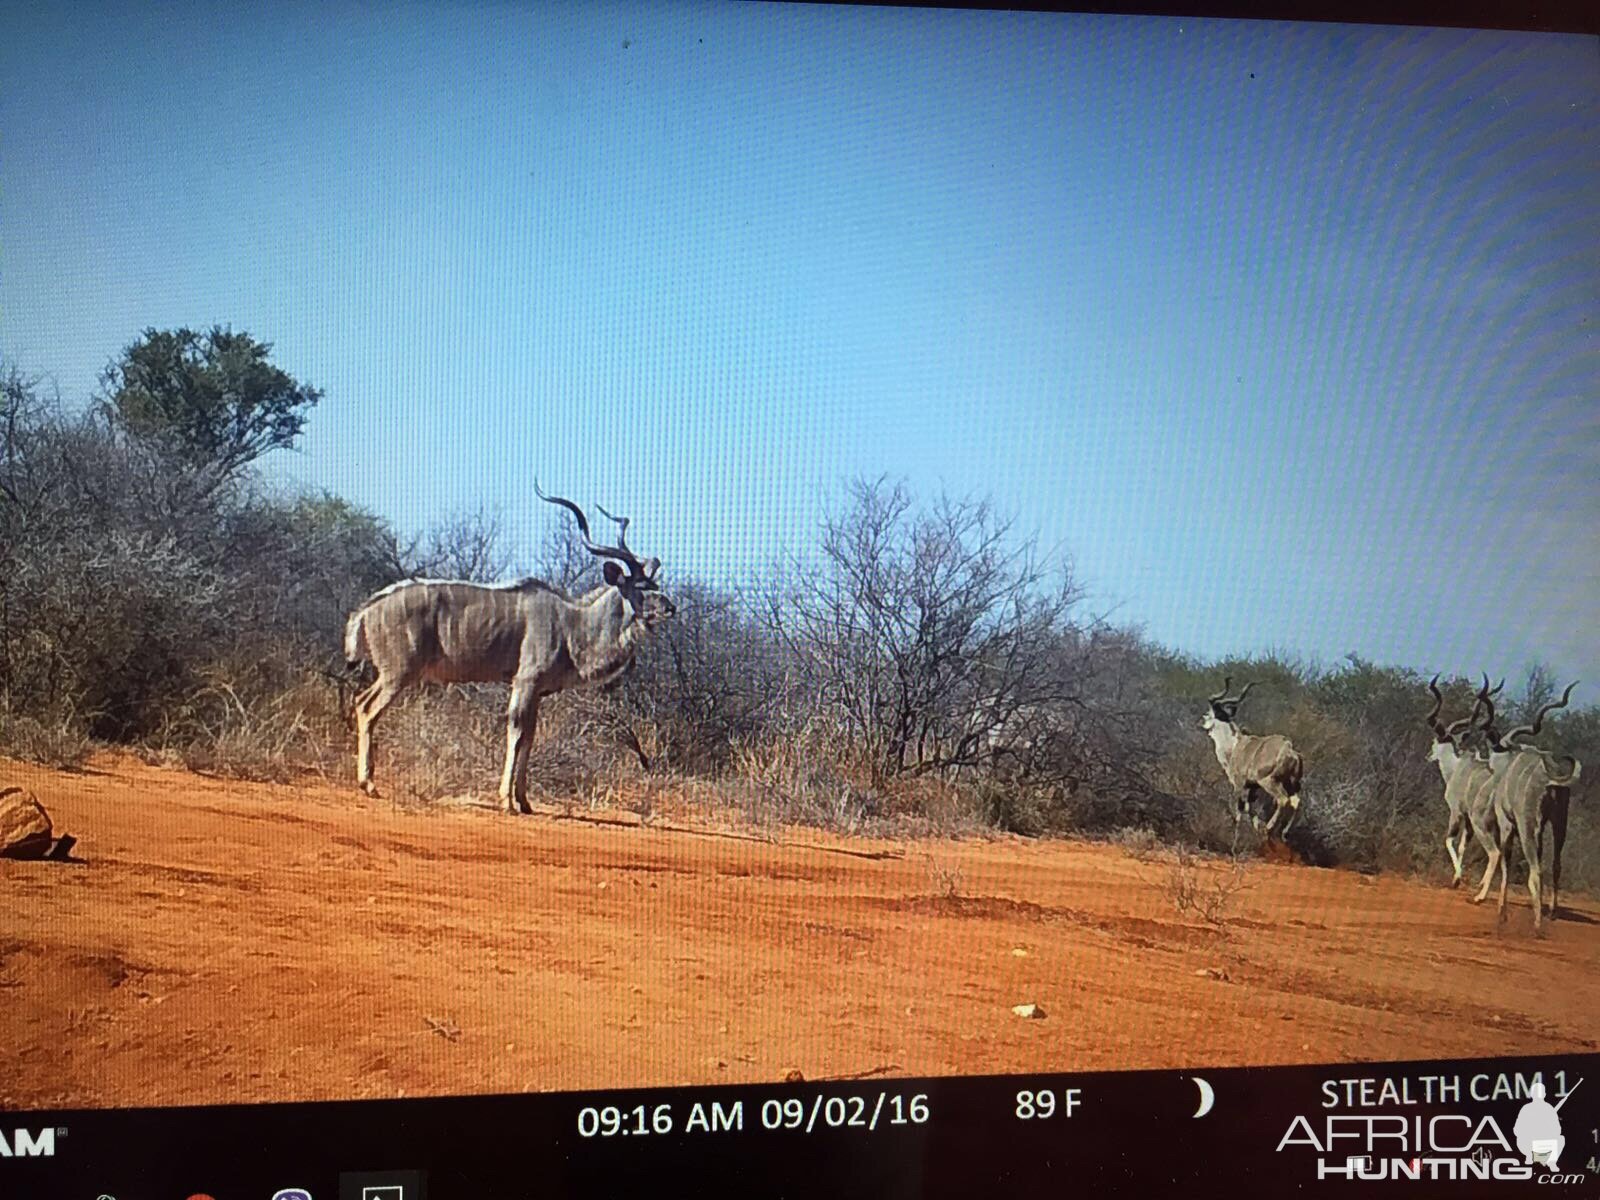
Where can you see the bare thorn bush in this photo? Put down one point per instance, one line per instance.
(1217, 897)
(1183, 881)
(944, 878)
(1209, 892)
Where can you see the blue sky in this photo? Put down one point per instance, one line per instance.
(1288, 335)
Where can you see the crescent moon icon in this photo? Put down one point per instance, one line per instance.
(1207, 1096)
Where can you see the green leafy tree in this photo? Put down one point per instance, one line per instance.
(213, 400)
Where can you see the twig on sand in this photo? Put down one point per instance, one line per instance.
(446, 1029)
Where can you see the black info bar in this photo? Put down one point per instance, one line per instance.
(1458, 1128)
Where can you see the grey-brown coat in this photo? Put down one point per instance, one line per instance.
(1268, 764)
(1532, 791)
(528, 634)
(1464, 776)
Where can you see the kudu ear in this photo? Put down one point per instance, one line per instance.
(613, 573)
(651, 566)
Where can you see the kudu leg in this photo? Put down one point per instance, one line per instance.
(1534, 885)
(369, 706)
(1491, 847)
(1277, 811)
(1284, 804)
(1495, 860)
(1505, 850)
(1455, 842)
(1557, 818)
(524, 752)
(1528, 834)
(363, 735)
(1281, 802)
(1247, 802)
(522, 717)
(1528, 839)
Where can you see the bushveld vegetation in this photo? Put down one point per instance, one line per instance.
(914, 666)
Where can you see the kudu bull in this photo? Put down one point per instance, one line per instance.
(1268, 765)
(528, 634)
(1463, 775)
(1469, 787)
(1532, 790)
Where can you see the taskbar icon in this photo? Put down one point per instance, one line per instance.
(382, 1185)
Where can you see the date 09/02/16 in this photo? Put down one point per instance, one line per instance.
(794, 1114)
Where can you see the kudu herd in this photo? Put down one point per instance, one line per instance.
(1510, 790)
(540, 640)
(529, 634)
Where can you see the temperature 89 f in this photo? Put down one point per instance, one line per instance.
(1043, 1104)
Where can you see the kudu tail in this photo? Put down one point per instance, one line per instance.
(355, 638)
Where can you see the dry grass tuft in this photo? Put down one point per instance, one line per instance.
(61, 743)
(944, 876)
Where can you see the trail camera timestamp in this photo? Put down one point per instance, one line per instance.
(866, 1112)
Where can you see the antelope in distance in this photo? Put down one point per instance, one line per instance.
(1469, 790)
(1253, 764)
(1452, 760)
(1531, 791)
(528, 634)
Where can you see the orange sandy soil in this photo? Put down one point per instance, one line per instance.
(227, 941)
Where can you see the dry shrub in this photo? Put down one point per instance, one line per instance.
(815, 780)
(274, 736)
(1141, 844)
(62, 743)
(1183, 881)
(1018, 806)
(1204, 817)
(437, 743)
(931, 805)
(1319, 736)
(944, 876)
(1208, 891)
(434, 743)
(796, 783)
(1218, 896)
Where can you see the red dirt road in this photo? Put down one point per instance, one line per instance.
(227, 941)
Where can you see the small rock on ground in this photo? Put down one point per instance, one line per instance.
(25, 830)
